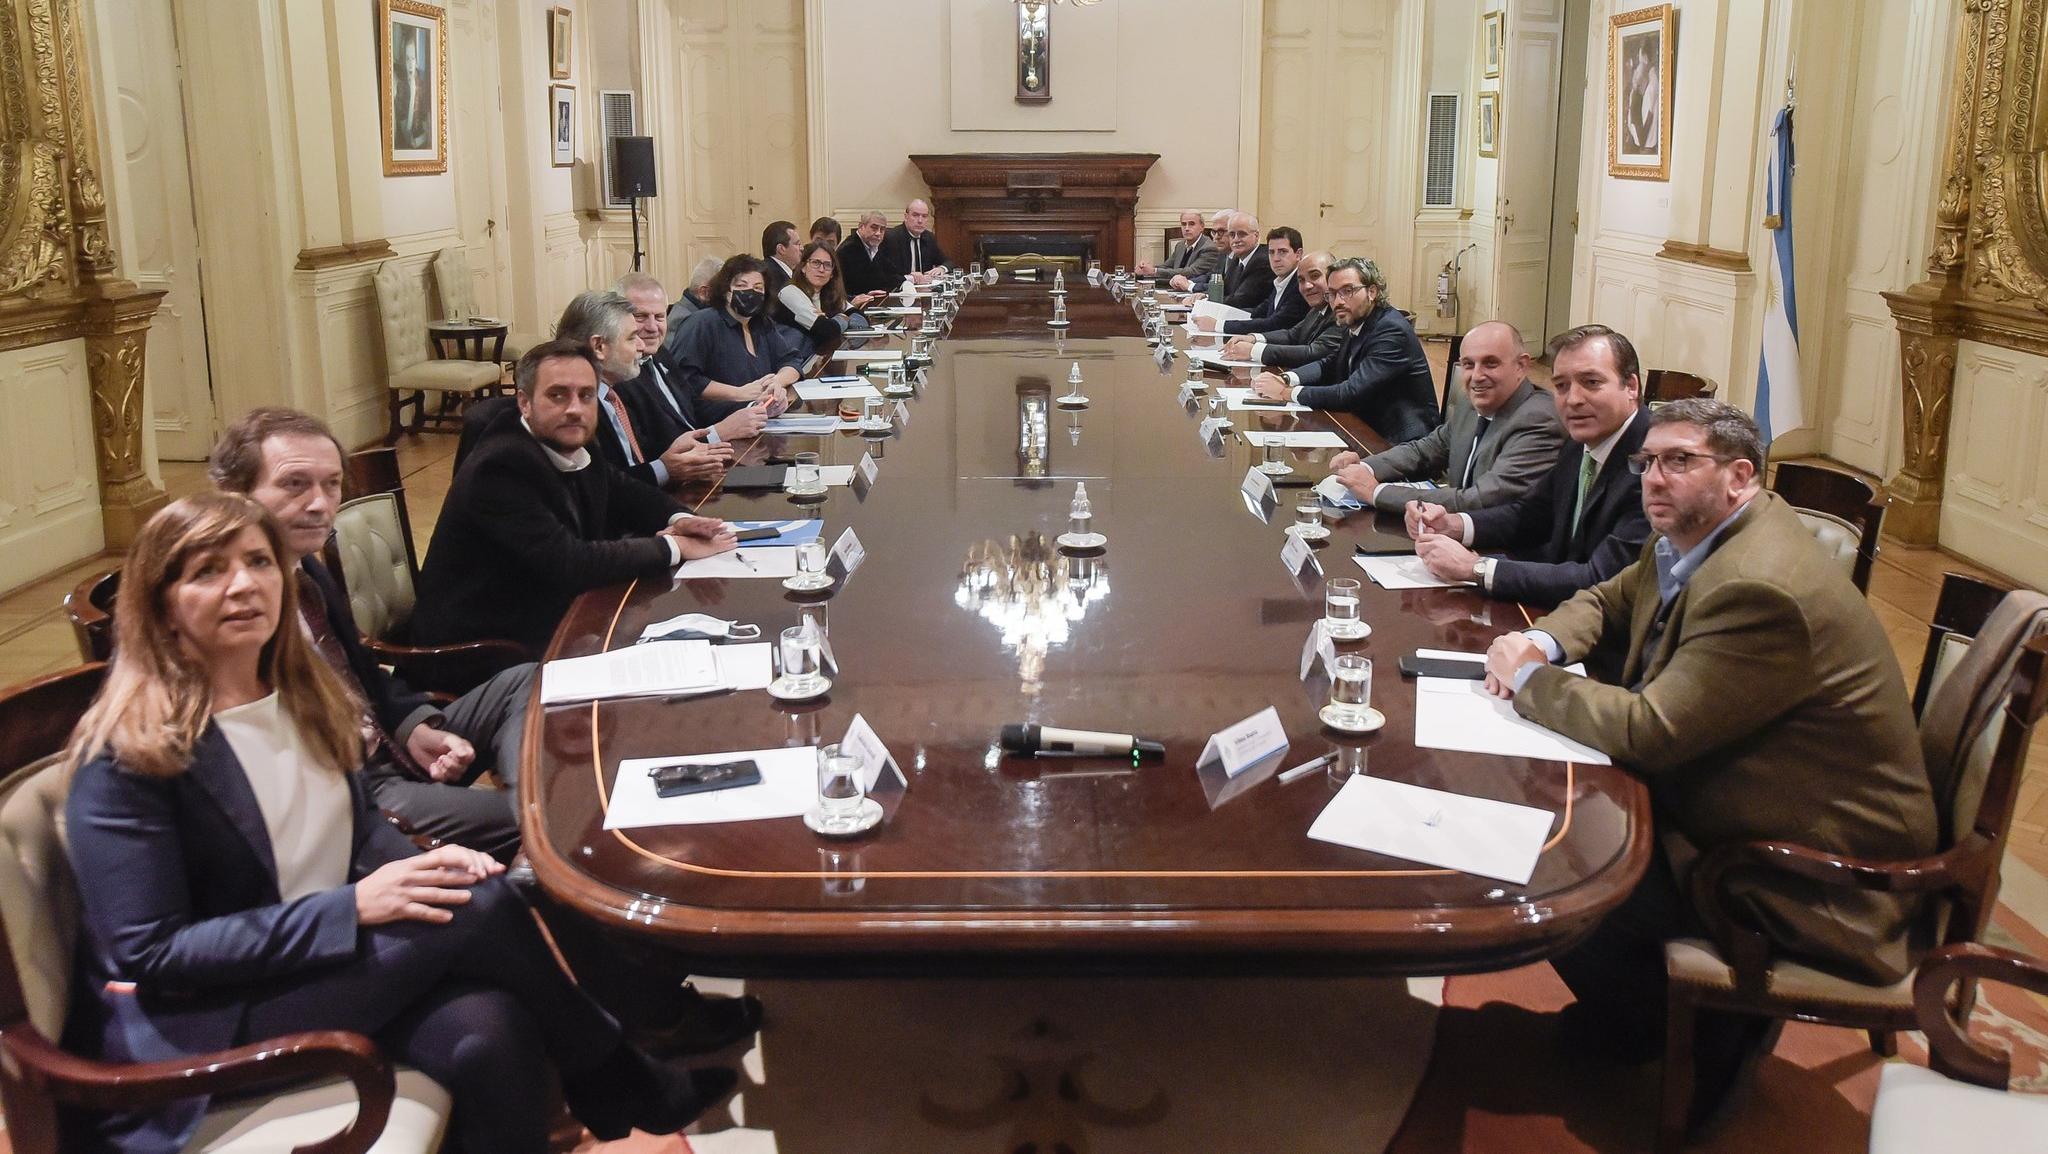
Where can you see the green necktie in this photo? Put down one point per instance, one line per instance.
(1588, 469)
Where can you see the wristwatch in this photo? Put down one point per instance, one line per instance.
(1483, 569)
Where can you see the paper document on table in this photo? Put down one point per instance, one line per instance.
(827, 390)
(1456, 713)
(745, 666)
(802, 423)
(790, 533)
(745, 562)
(1403, 573)
(1306, 439)
(1216, 357)
(788, 788)
(1235, 400)
(1222, 312)
(868, 356)
(660, 669)
(1476, 835)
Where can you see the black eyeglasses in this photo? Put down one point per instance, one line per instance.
(1672, 463)
(824, 265)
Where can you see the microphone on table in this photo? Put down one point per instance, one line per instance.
(1042, 739)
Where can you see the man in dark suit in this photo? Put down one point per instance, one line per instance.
(1247, 278)
(1281, 307)
(666, 404)
(1583, 522)
(911, 249)
(779, 251)
(1760, 701)
(533, 520)
(640, 438)
(1194, 257)
(861, 267)
(1379, 374)
(1315, 336)
(1501, 437)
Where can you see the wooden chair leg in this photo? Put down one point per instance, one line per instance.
(419, 411)
(1680, 1013)
(1884, 1043)
(397, 406)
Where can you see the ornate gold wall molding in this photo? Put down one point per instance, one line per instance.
(58, 271)
(1988, 273)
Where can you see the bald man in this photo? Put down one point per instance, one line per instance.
(1308, 340)
(1195, 256)
(911, 249)
(1501, 437)
(1247, 277)
(1198, 280)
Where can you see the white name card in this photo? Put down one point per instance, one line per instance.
(1320, 645)
(1163, 354)
(849, 552)
(1185, 395)
(863, 742)
(1258, 494)
(1247, 743)
(868, 468)
(902, 415)
(1299, 558)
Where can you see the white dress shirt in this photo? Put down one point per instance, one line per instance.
(305, 805)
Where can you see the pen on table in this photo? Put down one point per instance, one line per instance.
(742, 559)
(1305, 768)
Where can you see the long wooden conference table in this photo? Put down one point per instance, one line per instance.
(965, 616)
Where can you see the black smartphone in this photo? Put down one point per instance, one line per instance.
(702, 777)
(1383, 546)
(759, 533)
(1413, 666)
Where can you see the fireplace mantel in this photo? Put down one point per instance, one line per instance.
(1091, 194)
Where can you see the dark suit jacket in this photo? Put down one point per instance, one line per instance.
(1246, 283)
(860, 274)
(1193, 261)
(1273, 314)
(518, 540)
(397, 705)
(1380, 375)
(657, 389)
(895, 254)
(1771, 709)
(1548, 562)
(1315, 336)
(1519, 448)
(655, 427)
(177, 884)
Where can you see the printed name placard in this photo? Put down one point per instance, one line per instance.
(1320, 645)
(863, 742)
(1247, 743)
(1258, 494)
(847, 554)
(1299, 558)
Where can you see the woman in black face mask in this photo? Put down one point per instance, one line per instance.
(732, 353)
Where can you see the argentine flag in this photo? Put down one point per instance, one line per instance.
(1778, 408)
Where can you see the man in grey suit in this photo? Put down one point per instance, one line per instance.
(1195, 256)
(1309, 339)
(1501, 437)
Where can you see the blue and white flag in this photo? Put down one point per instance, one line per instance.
(1778, 403)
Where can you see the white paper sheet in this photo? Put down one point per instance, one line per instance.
(823, 390)
(1222, 312)
(788, 788)
(745, 666)
(1216, 357)
(803, 424)
(868, 356)
(1403, 573)
(743, 562)
(830, 475)
(660, 669)
(1305, 439)
(1234, 399)
(1451, 713)
(1477, 835)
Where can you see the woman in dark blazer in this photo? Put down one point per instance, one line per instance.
(236, 886)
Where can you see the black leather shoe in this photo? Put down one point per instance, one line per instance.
(630, 1091)
(1607, 1038)
(706, 1023)
(1725, 1058)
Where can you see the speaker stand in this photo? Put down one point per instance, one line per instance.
(634, 202)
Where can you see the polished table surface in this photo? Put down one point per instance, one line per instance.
(1185, 623)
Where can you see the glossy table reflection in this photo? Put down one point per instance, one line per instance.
(965, 617)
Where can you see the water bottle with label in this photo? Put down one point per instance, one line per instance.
(1216, 286)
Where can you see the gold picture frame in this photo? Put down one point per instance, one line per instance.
(560, 30)
(1487, 123)
(412, 62)
(1639, 88)
(1493, 38)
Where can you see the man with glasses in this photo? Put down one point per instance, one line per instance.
(1247, 278)
(1315, 336)
(1583, 522)
(1197, 279)
(1193, 258)
(1761, 701)
(1378, 374)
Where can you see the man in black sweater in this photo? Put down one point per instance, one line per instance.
(862, 266)
(533, 519)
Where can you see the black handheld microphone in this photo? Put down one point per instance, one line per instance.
(1036, 739)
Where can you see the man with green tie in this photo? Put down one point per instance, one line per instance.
(1583, 522)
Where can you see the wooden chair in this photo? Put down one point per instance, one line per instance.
(1963, 606)
(1843, 511)
(90, 608)
(1661, 386)
(457, 290)
(398, 1111)
(1959, 1101)
(1734, 970)
(402, 306)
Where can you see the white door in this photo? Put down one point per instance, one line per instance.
(165, 251)
(744, 89)
(1321, 158)
(479, 145)
(1528, 160)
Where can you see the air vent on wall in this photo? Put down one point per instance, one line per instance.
(616, 110)
(1440, 174)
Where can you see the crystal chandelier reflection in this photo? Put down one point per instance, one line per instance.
(1032, 593)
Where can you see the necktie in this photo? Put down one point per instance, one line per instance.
(914, 265)
(618, 406)
(1588, 468)
(661, 390)
(1472, 458)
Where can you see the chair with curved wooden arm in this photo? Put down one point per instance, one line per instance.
(1959, 1101)
(1998, 700)
(1843, 511)
(334, 1093)
(90, 608)
(1960, 610)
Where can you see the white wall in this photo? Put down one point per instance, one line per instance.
(49, 486)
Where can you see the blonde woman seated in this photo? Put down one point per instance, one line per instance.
(236, 885)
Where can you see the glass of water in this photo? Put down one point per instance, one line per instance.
(811, 557)
(803, 663)
(871, 416)
(1273, 465)
(1351, 690)
(1308, 523)
(842, 787)
(804, 476)
(1340, 609)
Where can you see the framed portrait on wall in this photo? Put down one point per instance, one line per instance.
(559, 28)
(1487, 124)
(562, 123)
(412, 57)
(1639, 87)
(1493, 32)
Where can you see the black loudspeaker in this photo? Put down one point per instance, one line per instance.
(632, 166)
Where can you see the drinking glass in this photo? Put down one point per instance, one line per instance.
(1351, 688)
(842, 786)
(802, 660)
(871, 416)
(1273, 465)
(1308, 521)
(1340, 609)
(803, 474)
(811, 557)
(1120, 272)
